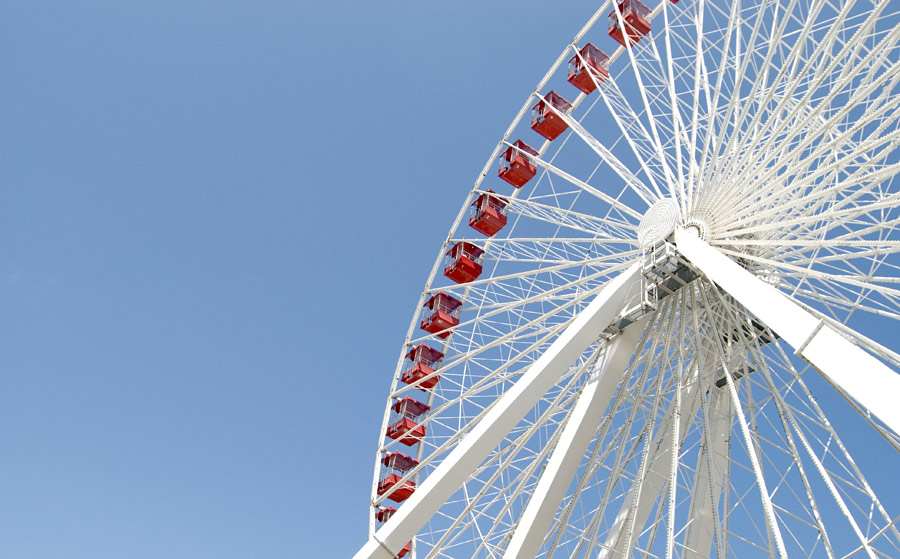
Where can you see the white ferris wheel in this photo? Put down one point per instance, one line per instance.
(623, 345)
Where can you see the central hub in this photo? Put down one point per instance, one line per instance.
(699, 225)
(664, 270)
(658, 223)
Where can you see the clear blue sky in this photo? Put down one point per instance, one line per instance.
(215, 221)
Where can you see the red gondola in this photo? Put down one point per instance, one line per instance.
(516, 164)
(423, 361)
(593, 64)
(444, 315)
(634, 14)
(488, 214)
(545, 120)
(383, 514)
(405, 427)
(397, 465)
(464, 262)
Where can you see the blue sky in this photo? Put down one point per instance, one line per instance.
(216, 221)
(216, 218)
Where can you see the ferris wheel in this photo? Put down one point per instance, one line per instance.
(685, 240)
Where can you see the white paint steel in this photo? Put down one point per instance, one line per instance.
(576, 436)
(773, 125)
(709, 481)
(507, 411)
(635, 510)
(866, 379)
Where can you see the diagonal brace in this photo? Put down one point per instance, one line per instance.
(577, 434)
(863, 377)
(472, 450)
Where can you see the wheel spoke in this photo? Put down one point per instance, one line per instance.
(738, 161)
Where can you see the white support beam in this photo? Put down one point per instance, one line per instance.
(577, 434)
(453, 471)
(710, 478)
(644, 492)
(866, 379)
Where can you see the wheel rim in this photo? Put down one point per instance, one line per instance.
(795, 182)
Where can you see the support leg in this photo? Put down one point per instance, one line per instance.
(450, 475)
(645, 491)
(710, 477)
(866, 379)
(576, 436)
